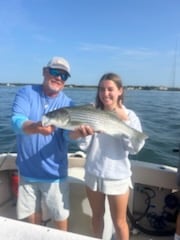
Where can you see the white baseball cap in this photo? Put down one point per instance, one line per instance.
(59, 63)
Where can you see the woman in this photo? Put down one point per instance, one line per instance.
(107, 169)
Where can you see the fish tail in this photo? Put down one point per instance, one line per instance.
(138, 141)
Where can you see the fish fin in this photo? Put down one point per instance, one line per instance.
(88, 105)
(113, 113)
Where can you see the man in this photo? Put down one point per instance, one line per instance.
(42, 151)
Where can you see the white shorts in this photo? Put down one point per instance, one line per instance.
(108, 186)
(55, 195)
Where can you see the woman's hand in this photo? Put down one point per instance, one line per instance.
(82, 131)
(121, 112)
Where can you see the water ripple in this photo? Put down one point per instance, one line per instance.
(159, 112)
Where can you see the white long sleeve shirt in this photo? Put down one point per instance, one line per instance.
(107, 157)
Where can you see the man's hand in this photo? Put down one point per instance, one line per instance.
(30, 127)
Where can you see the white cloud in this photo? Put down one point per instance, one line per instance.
(98, 47)
(117, 49)
(42, 38)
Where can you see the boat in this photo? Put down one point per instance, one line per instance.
(152, 207)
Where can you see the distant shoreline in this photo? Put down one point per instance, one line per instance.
(128, 87)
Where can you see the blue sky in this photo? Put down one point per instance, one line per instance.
(134, 38)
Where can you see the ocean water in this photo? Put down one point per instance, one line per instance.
(159, 112)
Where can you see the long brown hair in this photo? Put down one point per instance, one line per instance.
(117, 80)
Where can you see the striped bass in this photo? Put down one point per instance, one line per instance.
(107, 122)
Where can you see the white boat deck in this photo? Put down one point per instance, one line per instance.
(8, 212)
(161, 177)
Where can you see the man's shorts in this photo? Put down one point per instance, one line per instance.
(108, 186)
(55, 195)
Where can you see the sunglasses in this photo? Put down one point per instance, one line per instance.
(57, 72)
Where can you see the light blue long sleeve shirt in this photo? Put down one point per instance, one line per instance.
(38, 156)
